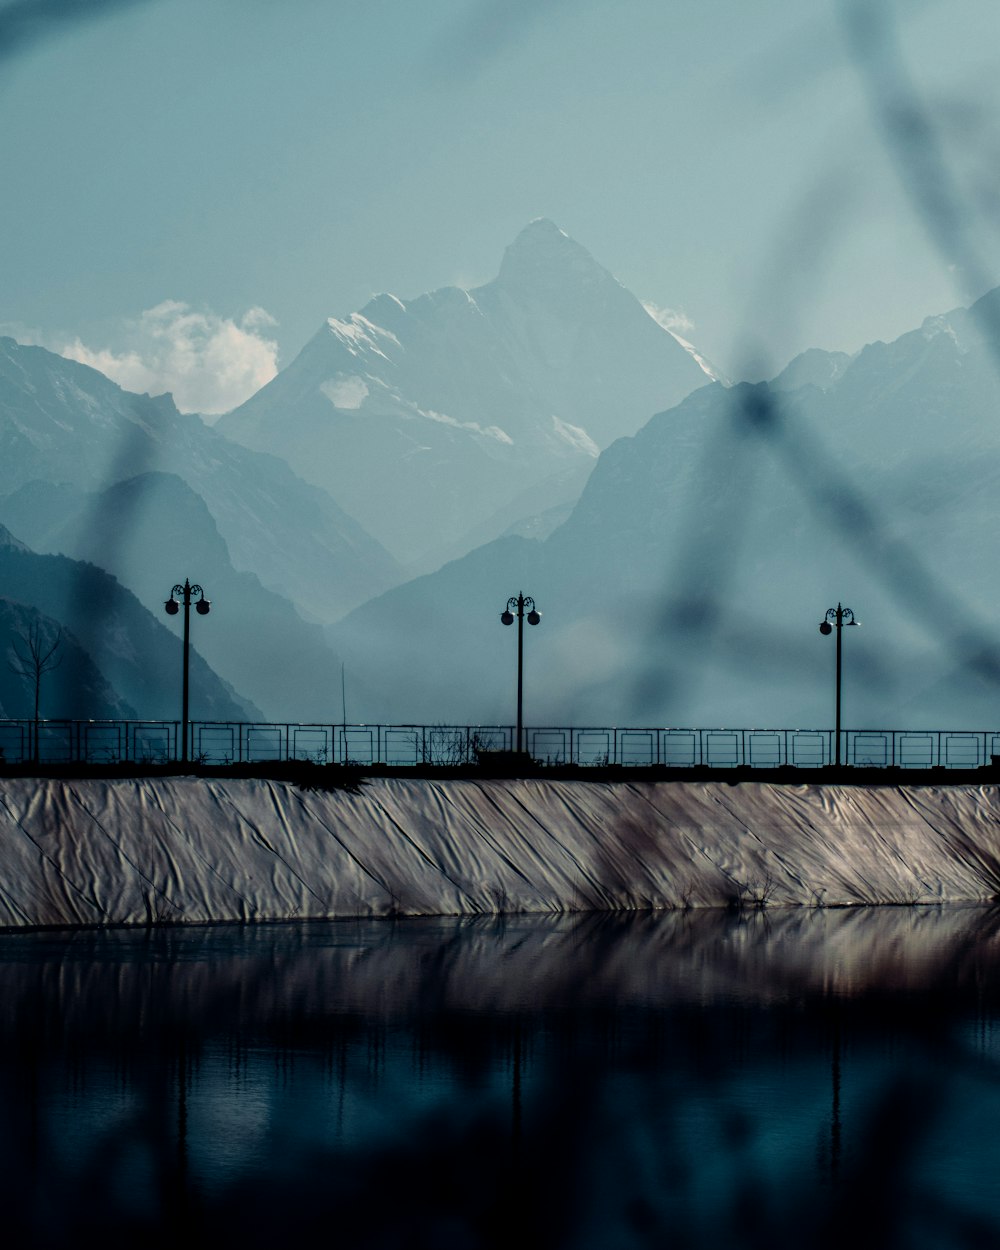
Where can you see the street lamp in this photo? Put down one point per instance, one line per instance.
(189, 594)
(837, 617)
(517, 606)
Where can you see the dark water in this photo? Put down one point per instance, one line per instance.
(809, 1078)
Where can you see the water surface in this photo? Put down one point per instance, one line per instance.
(686, 1079)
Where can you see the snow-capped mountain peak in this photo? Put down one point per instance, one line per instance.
(427, 417)
(544, 260)
(360, 335)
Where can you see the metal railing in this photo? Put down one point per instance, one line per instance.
(232, 742)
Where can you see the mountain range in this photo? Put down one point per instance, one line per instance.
(253, 638)
(681, 561)
(64, 423)
(687, 584)
(440, 421)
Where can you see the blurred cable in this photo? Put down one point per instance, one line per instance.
(694, 606)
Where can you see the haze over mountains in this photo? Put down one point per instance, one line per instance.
(687, 584)
(254, 639)
(64, 423)
(461, 412)
(116, 658)
(684, 585)
(153, 496)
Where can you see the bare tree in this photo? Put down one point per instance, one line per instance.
(33, 657)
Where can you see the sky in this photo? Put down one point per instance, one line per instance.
(191, 186)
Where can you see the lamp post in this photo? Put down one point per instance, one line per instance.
(189, 594)
(837, 618)
(518, 606)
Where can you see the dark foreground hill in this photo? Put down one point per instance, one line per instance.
(134, 654)
(253, 637)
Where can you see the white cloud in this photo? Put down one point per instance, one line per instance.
(671, 319)
(576, 436)
(677, 324)
(490, 431)
(346, 391)
(209, 363)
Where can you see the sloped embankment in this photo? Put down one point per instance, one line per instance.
(137, 851)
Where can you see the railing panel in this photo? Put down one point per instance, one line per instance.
(637, 747)
(402, 745)
(15, 741)
(594, 747)
(153, 742)
(448, 746)
(55, 742)
(764, 748)
(265, 743)
(548, 746)
(962, 750)
(311, 742)
(869, 750)
(722, 748)
(103, 743)
(490, 738)
(915, 750)
(357, 745)
(216, 744)
(810, 749)
(679, 748)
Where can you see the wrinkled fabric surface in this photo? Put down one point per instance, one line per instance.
(141, 851)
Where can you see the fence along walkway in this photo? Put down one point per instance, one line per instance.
(230, 742)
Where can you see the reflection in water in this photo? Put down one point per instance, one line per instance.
(683, 1078)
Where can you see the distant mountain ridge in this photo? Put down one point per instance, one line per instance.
(687, 584)
(63, 422)
(683, 584)
(122, 661)
(425, 418)
(253, 638)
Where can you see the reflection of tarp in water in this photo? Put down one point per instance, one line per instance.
(207, 978)
(183, 850)
(698, 1078)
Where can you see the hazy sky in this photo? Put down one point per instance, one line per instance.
(191, 186)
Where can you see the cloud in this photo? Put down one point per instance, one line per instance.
(346, 390)
(491, 431)
(671, 319)
(209, 363)
(576, 436)
(678, 324)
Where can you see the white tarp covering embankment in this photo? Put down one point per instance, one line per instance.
(192, 849)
